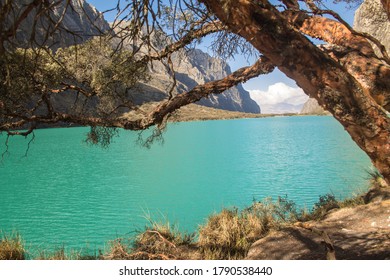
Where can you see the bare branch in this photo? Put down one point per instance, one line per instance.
(187, 39)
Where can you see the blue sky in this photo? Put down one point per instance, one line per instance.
(270, 90)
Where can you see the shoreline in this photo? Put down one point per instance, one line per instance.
(258, 225)
(195, 112)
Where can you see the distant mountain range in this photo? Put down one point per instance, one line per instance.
(192, 67)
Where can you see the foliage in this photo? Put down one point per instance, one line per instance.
(101, 135)
(229, 234)
(107, 73)
(158, 240)
(25, 73)
(100, 66)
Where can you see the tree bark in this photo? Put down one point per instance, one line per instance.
(315, 72)
(353, 52)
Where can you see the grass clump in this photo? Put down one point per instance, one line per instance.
(230, 233)
(61, 253)
(119, 249)
(57, 254)
(158, 241)
(12, 248)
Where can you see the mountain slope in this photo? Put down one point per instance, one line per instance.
(195, 67)
(80, 21)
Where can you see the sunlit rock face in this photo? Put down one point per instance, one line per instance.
(371, 18)
(195, 67)
(311, 107)
(78, 22)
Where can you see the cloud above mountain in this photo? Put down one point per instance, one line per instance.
(279, 98)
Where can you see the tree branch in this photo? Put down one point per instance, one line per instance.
(262, 66)
(355, 54)
(157, 116)
(342, 24)
(186, 40)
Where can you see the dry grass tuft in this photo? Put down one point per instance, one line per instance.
(229, 234)
(159, 241)
(63, 254)
(119, 249)
(11, 248)
(57, 254)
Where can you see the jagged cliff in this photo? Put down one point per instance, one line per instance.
(234, 99)
(371, 18)
(311, 107)
(193, 67)
(81, 21)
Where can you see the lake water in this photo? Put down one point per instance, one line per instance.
(66, 192)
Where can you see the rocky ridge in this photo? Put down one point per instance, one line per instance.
(311, 107)
(194, 67)
(81, 21)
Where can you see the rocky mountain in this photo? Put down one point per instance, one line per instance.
(193, 67)
(311, 107)
(371, 18)
(81, 21)
(206, 68)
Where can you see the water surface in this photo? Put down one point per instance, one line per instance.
(66, 192)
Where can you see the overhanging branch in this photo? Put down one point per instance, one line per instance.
(157, 116)
(186, 40)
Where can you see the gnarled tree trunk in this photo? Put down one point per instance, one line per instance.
(317, 73)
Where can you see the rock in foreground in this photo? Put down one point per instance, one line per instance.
(362, 232)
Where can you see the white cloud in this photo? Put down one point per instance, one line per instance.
(279, 98)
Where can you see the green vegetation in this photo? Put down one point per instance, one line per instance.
(225, 235)
(108, 73)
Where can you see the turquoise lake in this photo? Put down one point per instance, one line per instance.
(67, 192)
